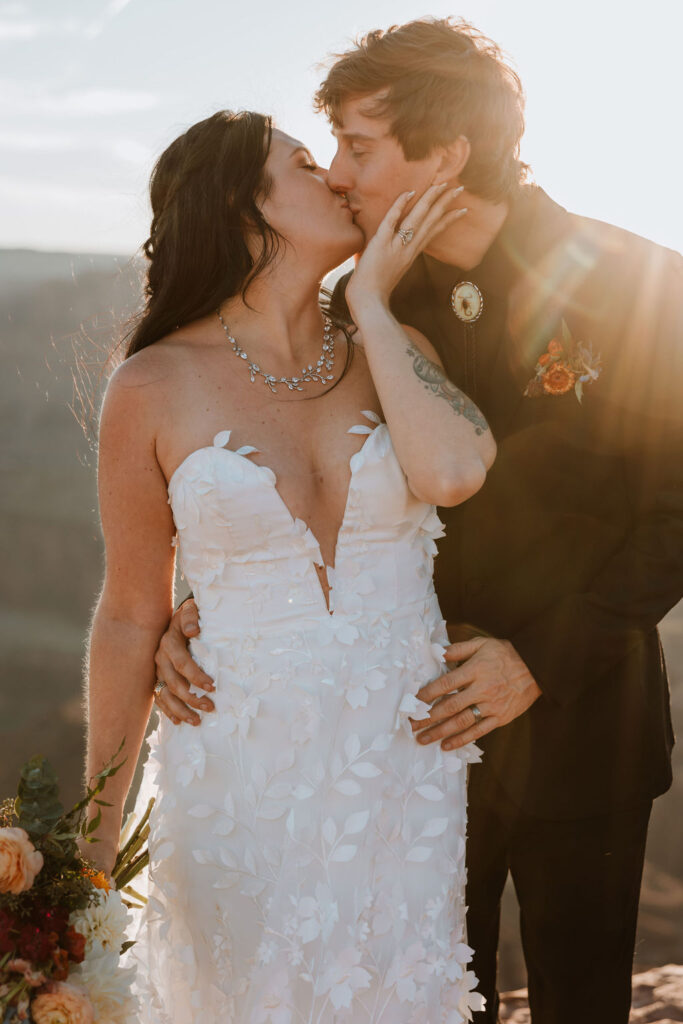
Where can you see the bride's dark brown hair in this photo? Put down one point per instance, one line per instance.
(204, 190)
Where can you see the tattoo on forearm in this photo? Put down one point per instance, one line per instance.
(436, 381)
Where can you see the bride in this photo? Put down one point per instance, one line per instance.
(306, 854)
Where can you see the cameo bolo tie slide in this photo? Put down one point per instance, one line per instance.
(467, 302)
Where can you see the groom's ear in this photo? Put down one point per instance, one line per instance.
(453, 159)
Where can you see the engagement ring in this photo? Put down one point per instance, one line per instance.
(159, 687)
(405, 234)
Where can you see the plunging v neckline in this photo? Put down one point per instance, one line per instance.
(246, 450)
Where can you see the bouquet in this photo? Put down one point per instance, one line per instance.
(62, 922)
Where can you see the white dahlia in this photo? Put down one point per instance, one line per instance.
(109, 988)
(103, 923)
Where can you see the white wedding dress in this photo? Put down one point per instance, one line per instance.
(307, 855)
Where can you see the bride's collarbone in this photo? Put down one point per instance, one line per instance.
(291, 440)
(308, 458)
(303, 440)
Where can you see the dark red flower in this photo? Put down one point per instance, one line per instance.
(35, 944)
(51, 919)
(7, 926)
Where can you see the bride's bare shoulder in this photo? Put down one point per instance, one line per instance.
(151, 376)
(161, 366)
(140, 389)
(151, 365)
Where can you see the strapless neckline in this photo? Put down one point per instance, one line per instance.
(267, 474)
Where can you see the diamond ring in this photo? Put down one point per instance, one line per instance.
(160, 684)
(405, 234)
(476, 711)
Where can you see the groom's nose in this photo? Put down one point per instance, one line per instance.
(338, 177)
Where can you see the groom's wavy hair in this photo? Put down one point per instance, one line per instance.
(204, 190)
(436, 79)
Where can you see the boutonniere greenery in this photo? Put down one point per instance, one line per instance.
(565, 364)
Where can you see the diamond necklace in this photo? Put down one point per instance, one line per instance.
(309, 374)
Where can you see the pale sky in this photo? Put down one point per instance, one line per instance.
(91, 91)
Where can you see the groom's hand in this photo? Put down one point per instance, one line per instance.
(492, 677)
(175, 665)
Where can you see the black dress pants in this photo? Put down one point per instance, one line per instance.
(578, 886)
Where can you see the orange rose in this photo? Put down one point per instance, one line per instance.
(62, 1004)
(555, 348)
(544, 359)
(558, 380)
(20, 862)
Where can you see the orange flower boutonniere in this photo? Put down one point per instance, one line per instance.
(565, 364)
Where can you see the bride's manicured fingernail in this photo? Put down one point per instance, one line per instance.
(458, 190)
(409, 195)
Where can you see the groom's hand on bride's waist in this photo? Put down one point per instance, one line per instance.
(176, 668)
(490, 687)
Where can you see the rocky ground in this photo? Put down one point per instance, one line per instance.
(657, 999)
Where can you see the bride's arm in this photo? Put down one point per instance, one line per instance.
(136, 600)
(441, 438)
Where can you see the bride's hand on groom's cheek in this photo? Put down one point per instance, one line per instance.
(490, 676)
(401, 236)
(176, 667)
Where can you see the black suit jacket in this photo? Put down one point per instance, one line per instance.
(573, 549)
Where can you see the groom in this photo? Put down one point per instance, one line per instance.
(568, 333)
